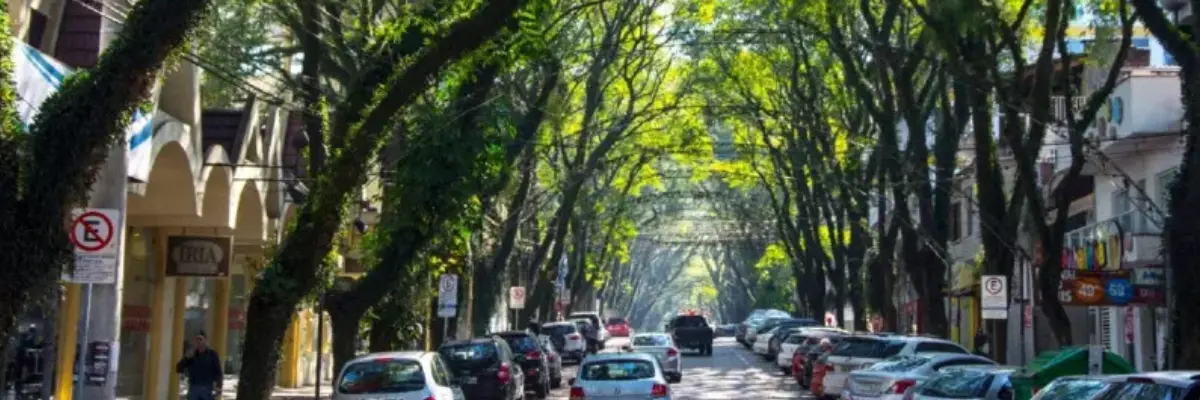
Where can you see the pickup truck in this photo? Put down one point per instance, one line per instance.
(692, 332)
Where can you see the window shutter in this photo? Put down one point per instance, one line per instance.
(1106, 318)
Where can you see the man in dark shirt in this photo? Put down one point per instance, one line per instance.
(203, 368)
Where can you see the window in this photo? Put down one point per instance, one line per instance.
(955, 221)
(617, 370)
(382, 376)
(521, 343)
(440, 374)
(1164, 180)
(961, 384)
(1071, 389)
(470, 355)
(899, 364)
(1143, 391)
(939, 347)
(652, 340)
(857, 347)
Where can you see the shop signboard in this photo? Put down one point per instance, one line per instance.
(1094, 275)
(199, 256)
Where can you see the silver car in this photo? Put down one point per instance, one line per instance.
(891, 378)
(662, 347)
(620, 376)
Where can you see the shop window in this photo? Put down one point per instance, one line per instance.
(136, 312)
(238, 299)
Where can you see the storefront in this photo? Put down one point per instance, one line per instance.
(136, 312)
(963, 304)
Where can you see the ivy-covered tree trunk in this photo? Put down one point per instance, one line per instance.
(297, 269)
(45, 174)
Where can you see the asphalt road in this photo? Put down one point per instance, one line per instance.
(732, 373)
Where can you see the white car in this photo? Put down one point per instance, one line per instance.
(408, 375)
(662, 347)
(857, 352)
(892, 378)
(597, 323)
(620, 376)
(567, 339)
(762, 343)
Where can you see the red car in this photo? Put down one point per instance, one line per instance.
(618, 327)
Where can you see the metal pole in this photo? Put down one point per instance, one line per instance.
(81, 353)
(445, 330)
(320, 344)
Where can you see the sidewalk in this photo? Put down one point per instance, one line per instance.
(229, 391)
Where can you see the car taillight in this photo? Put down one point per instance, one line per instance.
(431, 398)
(550, 357)
(902, 386)
(672, 352)
(577, 393)
(573, 336)
(533, 355)
(658, 390)
(504, 375)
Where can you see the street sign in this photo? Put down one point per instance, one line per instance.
(448, 296)
(95, 237)
(994, 296)
(516, 297)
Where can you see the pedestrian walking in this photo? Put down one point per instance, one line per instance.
(203, 368)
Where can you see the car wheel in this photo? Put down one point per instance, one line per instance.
(785, 370)
(556, 383)
(543, 390)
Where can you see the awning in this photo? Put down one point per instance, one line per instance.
(38, 76)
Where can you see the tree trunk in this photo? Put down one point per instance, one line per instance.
(345, 338)
(381, 338)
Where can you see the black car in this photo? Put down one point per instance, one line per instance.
(484, 369)
(532, 359)
(692, 332)
(553, 360)
(785, 328)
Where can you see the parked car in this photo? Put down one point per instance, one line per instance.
(766, 325)
(662, 347)
(618, 327)
(620, 376)
(751, 323)
(801, 338)
(691, 331)
(891, 378)
(553, 360)
(399, 375)
(602, 334)
(532, 359)
(484, 368)
(1073, 388)
(726, 330)
(973, 383)
(1182, 385)
(591, 335)
(860, 351)
(567, 339)
(765, 345)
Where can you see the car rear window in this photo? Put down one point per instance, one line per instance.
(688, 321)
(858, 347)
(655, 340)
(382, 376)
(1071, 389)
(961, 384)
(616, 321)
(469, 355)
(521, 343)
(616, 370)
(559, 330)
(797, 339)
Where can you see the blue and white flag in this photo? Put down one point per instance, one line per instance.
(563, 270)
(38, 77)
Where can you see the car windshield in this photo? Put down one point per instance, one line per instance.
(1071, 389)
(960, 384)
(616, 370)
(616, 321)
(688, 321)
(382, 376)
(468, 355)
(652, 340)
(559, 329)
(899, 364)
(858, 347)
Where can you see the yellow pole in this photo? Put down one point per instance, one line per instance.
(177, 336)
(152, 375)
(68, 318)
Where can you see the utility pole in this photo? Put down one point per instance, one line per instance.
(101, 328)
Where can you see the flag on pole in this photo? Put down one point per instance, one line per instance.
(563, 270)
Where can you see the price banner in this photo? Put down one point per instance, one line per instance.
(1105, 288)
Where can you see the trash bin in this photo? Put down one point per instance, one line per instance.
(1067, 361)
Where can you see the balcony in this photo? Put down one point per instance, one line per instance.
(1141, 239)
(1059, 106)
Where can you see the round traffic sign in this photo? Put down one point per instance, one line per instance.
(91, 231)
(993, 286)
(517, 293)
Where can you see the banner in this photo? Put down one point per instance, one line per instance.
(38, 77)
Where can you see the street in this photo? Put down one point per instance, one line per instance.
(731, 373)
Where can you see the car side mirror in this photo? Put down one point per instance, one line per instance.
(571, 382)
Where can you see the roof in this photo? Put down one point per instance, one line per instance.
(619, 356)
(403, 355)
(647, 334)
(510, 333)
(560, 323)
(1173, 378)
(469, 341)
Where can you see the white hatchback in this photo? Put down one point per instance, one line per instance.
(663, 347)
(407, 375)
(620, 376)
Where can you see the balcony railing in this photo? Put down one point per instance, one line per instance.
(1060, 104)
(1134, 222)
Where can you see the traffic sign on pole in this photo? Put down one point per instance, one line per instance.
(448, 296)
(96, 240)
(994, 296)
(516, 297)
